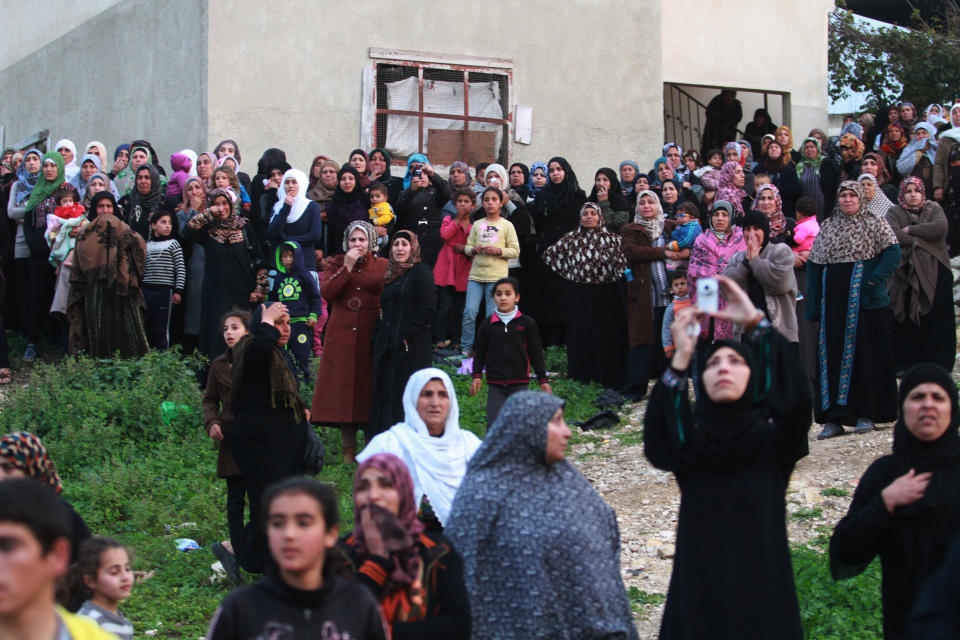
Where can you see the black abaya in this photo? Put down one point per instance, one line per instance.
(864, 385)
(596, 333)
(548, 290)
(402, 344)
(732, 549)
(229, 277)
(267, 442)
(935, 339)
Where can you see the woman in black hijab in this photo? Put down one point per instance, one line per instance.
(350, 203)
(905, 508)
(268, 435)
(145, 199)
(608, 193)
(732, 455)
(556, 211)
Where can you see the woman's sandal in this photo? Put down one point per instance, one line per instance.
(6, 376)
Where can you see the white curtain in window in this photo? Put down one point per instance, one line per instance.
(438, 97)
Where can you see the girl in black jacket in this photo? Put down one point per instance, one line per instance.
(302, 599)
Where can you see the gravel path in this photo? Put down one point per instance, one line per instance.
(646, 499)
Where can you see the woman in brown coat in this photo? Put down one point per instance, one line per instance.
(217, 418)
(352, 284)
(643, 246)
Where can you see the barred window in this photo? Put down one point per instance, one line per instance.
(446, 111)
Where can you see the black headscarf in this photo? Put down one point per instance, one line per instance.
(755, 290)
(618, 202)
(730, 434)
(149, 202)
(523, 190)
(555, 196)
(386, 175)
(270, 158)
(357, 195)
(919, 454)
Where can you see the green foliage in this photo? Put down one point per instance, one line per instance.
(556, 359)
(847, 610)
(925, 60)
(835, 492)
(807, 514)
(640, 598)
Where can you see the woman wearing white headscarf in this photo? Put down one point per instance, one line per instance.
(430, 442)
(877, 201)
(946, 179)
(918, 156)
(68, 150)
(297, 217)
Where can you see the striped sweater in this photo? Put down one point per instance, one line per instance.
(164, 266)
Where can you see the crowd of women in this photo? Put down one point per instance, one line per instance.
(813, 259)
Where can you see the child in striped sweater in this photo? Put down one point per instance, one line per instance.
(164, 278)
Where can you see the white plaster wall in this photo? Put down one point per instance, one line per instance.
(300, 88)
(29, 25)
(777, 45)
(147, 80)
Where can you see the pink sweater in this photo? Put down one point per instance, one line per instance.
(805, 233)
(452, 268)
(709, 258)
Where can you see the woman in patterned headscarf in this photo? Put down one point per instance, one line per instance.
(590, 261)
(851, 259)
(518, 583)
(644, 242)
(921, 291)
(22, 455)
(352, 284)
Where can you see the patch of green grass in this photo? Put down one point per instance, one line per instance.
(807, 514)
(847, 610)
(835, 492)
(629, 438)
(639, 598)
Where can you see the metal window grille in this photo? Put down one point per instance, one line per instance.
(447, 112)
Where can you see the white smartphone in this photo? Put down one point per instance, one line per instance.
(708, 295)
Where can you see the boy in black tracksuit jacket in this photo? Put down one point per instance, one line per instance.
(295, 287)
(508, 344)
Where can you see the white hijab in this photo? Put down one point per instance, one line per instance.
(300, 202)
(72, 168)
(190, 153)
(436, 465)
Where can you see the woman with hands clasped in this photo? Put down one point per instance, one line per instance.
(905, 508)
(732, 454)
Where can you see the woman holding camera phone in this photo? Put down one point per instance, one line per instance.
(732, 454)
(420, 207)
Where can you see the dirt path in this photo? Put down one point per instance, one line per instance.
(646, 499)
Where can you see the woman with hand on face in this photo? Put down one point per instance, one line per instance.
(404, 337)
(540, 547)
(905, 508)
(352, 284)
(268, 434)
(378, 168)
(608, 194)
(741, 441)
(414, 573)
(921, 289)
(852, 256)
(235, 274)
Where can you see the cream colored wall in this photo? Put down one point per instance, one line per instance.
(28, 26)
(301, 79)
(777, 45)
(145, 81)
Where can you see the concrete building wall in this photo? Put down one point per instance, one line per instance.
(137, 69)
(28, 26)
(723, 46)
(303, 68)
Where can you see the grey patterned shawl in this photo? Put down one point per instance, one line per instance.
(540, 547)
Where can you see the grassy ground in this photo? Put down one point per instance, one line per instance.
(148, 481)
